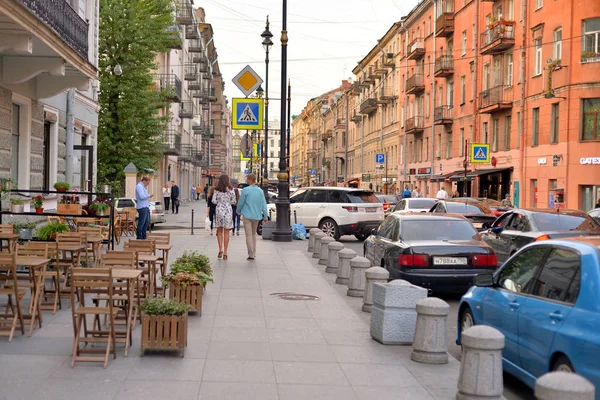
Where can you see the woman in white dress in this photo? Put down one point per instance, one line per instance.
(223, 198)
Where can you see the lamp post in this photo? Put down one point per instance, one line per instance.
(283, 231)
(260, 93)
(267, 44)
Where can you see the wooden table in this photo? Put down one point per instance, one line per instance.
(132, 278)
(11, 238)
(96, 243)
(37, 266)
(151, 260)
(165, 248)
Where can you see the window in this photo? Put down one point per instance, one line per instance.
(463, 89)
(428, 65)
(46, 157)
(519, 223)
(337, 196)
(557, 45)
(539, 4)
(495, 132)
(591, 119)
(509, 69)
(486, 76)
(537, 66)
(484, 133)
(450, 94)
(449, 145)
(426, 149)
(461, 138)
(427, 105)
(510, 12)
(591, 36)
(463, 44)
(429, 26)
(272, 143)
(554, 123)
(518, 144)
(316, 196)
(298, 196)
(15, 137)
(558, 273)
(507, 129)
(534, 193)
(518, 275)
(471, 138)
(535, 126)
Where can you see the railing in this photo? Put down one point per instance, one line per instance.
(190, 71)
(445, 22)
(492, 96)
(195, 84)
(415, 81)
(191, 31)
(445, 62)
(195, 46)
(387, 92)
(414, 123)
(418, 44)
(186, 109)
(368, 106)
(499, 31)
(170, 83)
(187, 151)
(172, 144)
(184, 12)
(176, 38)
(61, 17)
(441, 113)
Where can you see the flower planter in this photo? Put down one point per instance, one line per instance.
(61, 189)
(17, 208)
(39, 210)
(26, 234)
(161, 332)
(72, 209)
(190, 295)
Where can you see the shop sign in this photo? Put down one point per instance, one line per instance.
(590, 160)
(542, 161)
(424, 171)
(412, 171)
(366, 177)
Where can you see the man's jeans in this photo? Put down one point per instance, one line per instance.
(143, 222)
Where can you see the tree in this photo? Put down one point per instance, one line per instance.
(132, 33)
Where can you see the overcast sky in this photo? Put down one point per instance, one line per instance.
(327, 38)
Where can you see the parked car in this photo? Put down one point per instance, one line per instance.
(389, 202)
(434, 251)
(475, 211)
(520, 227)
(335, 210)
(496, 206)
(414, 205)
(157, 212)
(545, 301)
(595, 213)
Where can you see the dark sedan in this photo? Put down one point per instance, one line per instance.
(494, 205)
(389, 202)
(519, 227)
(595, 213)
(478, 213)
(438, 252)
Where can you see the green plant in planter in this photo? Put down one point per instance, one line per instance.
(17, 202)
(24, 225)
(186, 274)
(99, 207)
(163, 306)
(64, 186)
(50, 230)
(197, 261)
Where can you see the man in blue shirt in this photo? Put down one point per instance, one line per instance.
(253, 207)
(142, 206)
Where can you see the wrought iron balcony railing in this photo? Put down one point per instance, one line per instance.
(172, 144)
(186, 109)
(495, 98)
(415, 83)
(442, 114)
(414, 124)
(171, 84)
(444, 65)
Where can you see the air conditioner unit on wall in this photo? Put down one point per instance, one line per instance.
(437, 154)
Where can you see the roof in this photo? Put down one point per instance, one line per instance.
(377, 48)
(421, 216)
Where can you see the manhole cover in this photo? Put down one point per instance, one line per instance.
(295, 296)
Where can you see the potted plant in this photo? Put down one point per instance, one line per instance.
(62, 186)
(164, 324)
(186, 283)
(25, 229)
(17, 205)
(99, 208)
(49, 231)
(199, 262)
(37, 202)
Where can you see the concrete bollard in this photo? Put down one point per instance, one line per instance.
(394, 314)
(324, 254)
(429, 345)
(332, 259)
(373, 275)
(358, 282)
(563, 385)
(343, 269)
(481, 367)
(317, 245)
(311, 238)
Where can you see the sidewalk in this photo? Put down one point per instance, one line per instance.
(248, 344)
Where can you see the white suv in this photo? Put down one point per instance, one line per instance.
(337, 211)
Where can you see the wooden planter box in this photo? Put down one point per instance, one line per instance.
(190, 295)
(161, 332)
(69, 209)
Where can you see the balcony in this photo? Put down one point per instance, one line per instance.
(186, 109)
(195, 84)
(172, 145)
(494, 99)
(387, 94)
(388, 60)
(368, 106)
(191, 32)
(184, 12)
(375, 73)
(187, 153)
(414, 125)
(444, 24)
(498, 38)
(190, 71)
(195, 46)
(202, 95)
(170, 84)
(176, 38)
(444, 66)
(198, 58)
(203, 68)
(442, 115)
(415, 84)
(415, 49)
(340, 123)
(356, 117)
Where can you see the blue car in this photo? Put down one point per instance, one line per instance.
(546, 301)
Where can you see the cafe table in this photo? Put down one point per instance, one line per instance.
(37, 269)
(11, 238)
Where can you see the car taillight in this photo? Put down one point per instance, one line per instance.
(543, 237)
(154, 211)
(484, 260)
(413, 260)
(350, 208)
(386, 206)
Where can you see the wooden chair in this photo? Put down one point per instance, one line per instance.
(55, 219)
(117, 230)
(12, 315)
(54, 272)
(92, 247)
(164, 239)
(35, 277)
(143, 247)
(66, 260)
(128, 216)
(119, 259)
(5, 228)
(86, 282)
(82, 222)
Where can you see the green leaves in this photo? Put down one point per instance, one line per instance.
(162, 306)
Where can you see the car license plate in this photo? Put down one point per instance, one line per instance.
(477, 225)
(449, 261)
(370, 209)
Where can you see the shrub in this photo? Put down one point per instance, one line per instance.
(50, 230)
(65, 185)
(163, 306)
(17, 202)
(198, 262)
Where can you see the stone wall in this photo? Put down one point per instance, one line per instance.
(36, 154)
(62, 148)
(5, 129)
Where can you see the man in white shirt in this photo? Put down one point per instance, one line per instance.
(416, 193)
(442, 194)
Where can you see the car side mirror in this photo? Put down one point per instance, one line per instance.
(374, 232)
(497, 229)
(484, 280)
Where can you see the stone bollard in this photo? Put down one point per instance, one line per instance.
(394, 315)
(317, 245)
(563, 385)
(481, 367)
(324, 254)
(311, 238)
(358, 282)
(332, 260)
(373, 275)
(343, 269)
(429, 346)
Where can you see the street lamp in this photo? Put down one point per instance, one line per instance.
(260, 93)
(267, 44)
(283, 231)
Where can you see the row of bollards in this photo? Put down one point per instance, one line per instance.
(401, 313)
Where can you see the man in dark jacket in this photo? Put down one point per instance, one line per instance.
(174, 198)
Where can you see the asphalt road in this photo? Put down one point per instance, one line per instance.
(513, 388)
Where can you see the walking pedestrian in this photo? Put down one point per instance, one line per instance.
(143, 207)
(442, 194)
(174, 198)
(416, 193)
(211, 209)
(167, 197)
(506, 202)
(236, 217)
(223, 197)
(198, 191)
(192, 192)
(253, 207)
(406, 194)
(206, 192)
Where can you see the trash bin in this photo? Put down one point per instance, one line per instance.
(267, 230)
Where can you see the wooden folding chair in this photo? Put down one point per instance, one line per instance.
(128, 226)
(67, 260)
(161, 239)
(12, 315)
(117, 230)
(92, 282)
(34, 277)
(143, 247)
(95, 246)
(5, 228)
(53, 270)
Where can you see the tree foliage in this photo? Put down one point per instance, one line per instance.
(132, 33)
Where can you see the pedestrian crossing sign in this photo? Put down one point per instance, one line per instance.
(247, 114)
(480, 153)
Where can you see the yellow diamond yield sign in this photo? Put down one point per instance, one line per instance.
(247, 80)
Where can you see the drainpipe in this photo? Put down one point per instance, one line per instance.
(404, 160)
(70, 133)
(522, 141)
(433, 97)
(347, 137)
(476, 94)
(381, 138)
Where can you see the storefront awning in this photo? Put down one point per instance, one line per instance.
(488, 171)
(442, 178)
(353, 180)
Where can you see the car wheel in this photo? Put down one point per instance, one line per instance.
(361, 236)
(330, 228)
(466, 319)
(563, 364)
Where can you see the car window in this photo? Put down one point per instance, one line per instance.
(517, 276)
(298, 196)
(519, 223)
(439, 208)
(432, 229)
(421, 203)
(386, 229)
(126, 203)
(362, 196)
(316, 196)
(565, 222)
(400, 205)
(467, 209)
(557, 274)
(504, 220)
(338, 196)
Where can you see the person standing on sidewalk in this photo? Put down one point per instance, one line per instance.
(198, 191)
(223, 197)
(253, 207)
(174, 198)
(211, 208)
(236, 216)
(206, 193)
(143, 207)
(167, 197)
